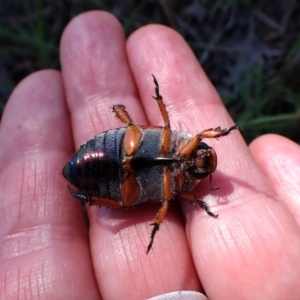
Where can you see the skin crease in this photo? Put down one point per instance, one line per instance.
(251, 251)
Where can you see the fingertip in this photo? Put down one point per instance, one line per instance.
(271, 147)
(90, 20)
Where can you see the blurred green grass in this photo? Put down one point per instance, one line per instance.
(249, 49)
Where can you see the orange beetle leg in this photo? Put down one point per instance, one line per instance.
(164, 208)
(130, 188)
(131, 140)
(196, 201)
(188, 148)
(165, 141)
(217, 132)
(166, 135)
(121, 113)
(179, 181)
(211, 133)
(133, 134)
(104, 202)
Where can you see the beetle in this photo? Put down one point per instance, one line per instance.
(134, 164)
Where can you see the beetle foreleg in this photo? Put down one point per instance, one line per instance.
(164, 208)
(166, 135)
(217, 132)
(211, 133)
(188, 148)
(196, 201)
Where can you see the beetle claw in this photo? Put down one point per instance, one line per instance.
(154, 230)
(204, 205)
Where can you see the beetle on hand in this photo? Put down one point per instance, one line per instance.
(134, 164)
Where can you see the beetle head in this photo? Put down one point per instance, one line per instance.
(204, 161)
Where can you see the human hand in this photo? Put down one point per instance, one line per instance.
(251, 251)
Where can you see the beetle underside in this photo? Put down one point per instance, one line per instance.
(197, 160)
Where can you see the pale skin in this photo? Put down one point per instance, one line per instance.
(251, 251)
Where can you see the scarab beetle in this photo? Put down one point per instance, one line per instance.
(127, 166)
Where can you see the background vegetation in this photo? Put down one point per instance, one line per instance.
(249, 49)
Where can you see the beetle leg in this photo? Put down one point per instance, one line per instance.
(81, 197)
(196, 201)
(129, 192)
(133, 134)
(217, 132)
(130, 189)
(180, 179)
(211, 133)
(164, 208)
(122, 114)
(94, 200)
(166, 134)
(131, 140)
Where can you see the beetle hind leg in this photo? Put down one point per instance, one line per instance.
(95, 200)
(166, 135)
(121, 113)
(133, 134)
(130, 189)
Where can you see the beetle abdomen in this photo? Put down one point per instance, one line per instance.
(95, 169)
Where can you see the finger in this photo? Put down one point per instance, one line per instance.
(97, 75)
(245, 242)
(44, 248)
(279, 159)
